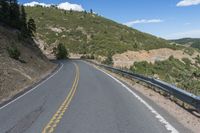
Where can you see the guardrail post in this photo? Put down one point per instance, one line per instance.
(198, 104)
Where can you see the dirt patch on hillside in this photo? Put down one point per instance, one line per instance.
(128, 58)
(57, 30)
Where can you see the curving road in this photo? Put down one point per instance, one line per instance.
(79, 98)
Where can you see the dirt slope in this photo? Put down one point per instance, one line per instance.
(127, 59)
(14, 74)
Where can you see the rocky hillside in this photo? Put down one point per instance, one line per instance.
(31, 65)
(83, 32)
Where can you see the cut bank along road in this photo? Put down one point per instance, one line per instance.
(79, 98)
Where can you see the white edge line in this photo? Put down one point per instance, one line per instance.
(32, 88)
(161, 119)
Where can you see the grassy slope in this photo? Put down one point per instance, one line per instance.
(89, 33)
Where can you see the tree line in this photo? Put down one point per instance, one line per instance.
(12, 14)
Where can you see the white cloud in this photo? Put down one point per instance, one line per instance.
(188, 3)
(190, 34)
(34, 3)
(143, 21)
(64, 6)
(69, 6)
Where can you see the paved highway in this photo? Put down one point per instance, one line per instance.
(79, 98)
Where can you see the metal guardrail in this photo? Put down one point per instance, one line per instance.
(180, 94)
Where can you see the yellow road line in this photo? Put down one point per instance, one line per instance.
(49, 128)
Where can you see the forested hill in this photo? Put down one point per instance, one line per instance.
(87, 32)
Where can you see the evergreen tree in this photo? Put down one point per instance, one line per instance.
(61, 52)
(91, 11)
(14, 14)
(70, 10)
(85, 13)
(23, 23)
(109, 60)
(4, 11)
(31, 27)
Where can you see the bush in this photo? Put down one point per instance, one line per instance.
(109, 60)
(187, 61)
(87, 57)
(61, 52)
(14, 52)
(189, 51)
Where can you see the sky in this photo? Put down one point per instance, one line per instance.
(169, 19)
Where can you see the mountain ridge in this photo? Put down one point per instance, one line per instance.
(88, 33)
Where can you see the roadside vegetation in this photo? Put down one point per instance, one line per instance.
(108, 60)
(183, 73)
(61, 52)
(13, 52)
(21, 61)
(13, 15)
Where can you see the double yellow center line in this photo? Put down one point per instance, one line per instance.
(49, 128)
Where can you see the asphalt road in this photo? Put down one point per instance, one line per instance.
(78, 98)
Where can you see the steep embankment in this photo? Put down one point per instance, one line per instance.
(83, 32)
(17, 74)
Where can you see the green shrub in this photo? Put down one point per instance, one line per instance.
(108, 60)
(189, 51)
(87, 57)
(61, 52)
(197, 59)
(187, 61)
(13, 52)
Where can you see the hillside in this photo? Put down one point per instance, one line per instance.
(192, 42)
(83, 32)
(31, 66)
(88, 33)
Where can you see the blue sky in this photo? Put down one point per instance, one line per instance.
(164, 18)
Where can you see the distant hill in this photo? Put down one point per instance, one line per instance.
(192, 42)
(83, 32)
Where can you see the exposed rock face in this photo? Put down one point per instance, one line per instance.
(128, 58)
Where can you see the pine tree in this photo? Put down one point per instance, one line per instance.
(85, 13)
(14, 14)
(23, 23)
(61, 52)
(70, 10)
(31, 27)
(4, 11)
(91, 11)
